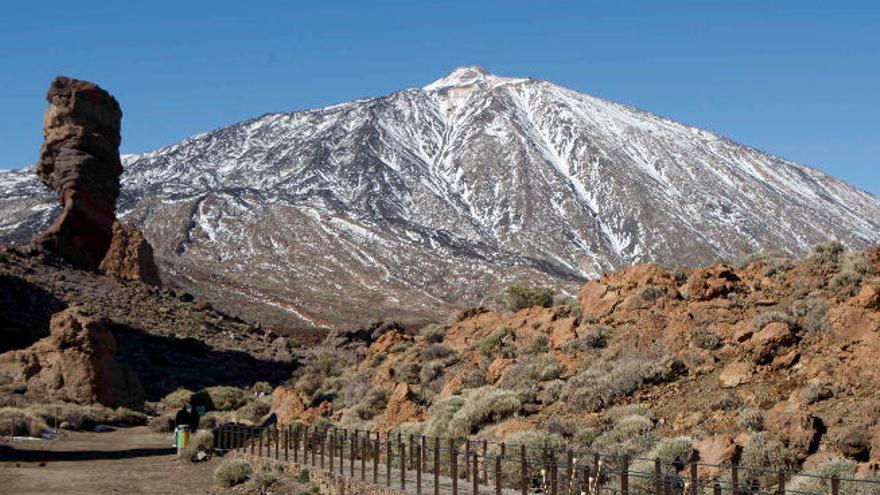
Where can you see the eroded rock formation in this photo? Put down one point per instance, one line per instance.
(130, 256)
(79, 160)
(76, 362)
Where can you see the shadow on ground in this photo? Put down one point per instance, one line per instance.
(8, 454)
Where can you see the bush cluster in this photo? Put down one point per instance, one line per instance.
(482, 406)
(518, 297)
(232, 472)
(704, 338)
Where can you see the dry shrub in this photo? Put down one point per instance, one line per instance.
(518, 297)
(433, 333)
(162, 424)
(178, 398)
(704, 338)
(483, 406)
(20, 422)
(221, 398)
(201, 441)
(232, 472)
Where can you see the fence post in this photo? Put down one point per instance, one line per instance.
(835, 485)
(260, 444)
(419, 471)
(388, 461)
(485, 467)
(453, 465)
(412, 451)
(624, 476)
(321, 438)
(734, 479)
(497, 475)
(585, 480)
(467, 459)
(780, 489)
(401, 450)
(333, 433)
(597, 472)
(554, 474)
(364, 451)
(376, 460)
(658, 478)
(716, 490)
(569, 473)
(695, 482)
(340, 447)
(424, 453)
(286, 443)
(277, 441)
(436, 466)
(474, 476)
(353, 452)
(524, 473)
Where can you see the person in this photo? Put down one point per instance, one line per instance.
(187, 416)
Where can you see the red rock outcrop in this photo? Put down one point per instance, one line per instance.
(130, 256)
(79, 160)
(76, 362)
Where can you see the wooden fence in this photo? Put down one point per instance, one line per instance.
(425, 465)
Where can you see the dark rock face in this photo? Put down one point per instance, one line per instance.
(79, 160)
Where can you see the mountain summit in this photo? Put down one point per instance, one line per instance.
(409, 204)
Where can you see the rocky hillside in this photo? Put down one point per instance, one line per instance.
(772, 360)
(416, 202)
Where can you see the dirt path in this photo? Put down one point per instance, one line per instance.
(127, 461)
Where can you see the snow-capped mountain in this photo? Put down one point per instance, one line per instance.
(413, 203)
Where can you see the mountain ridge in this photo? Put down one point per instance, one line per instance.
(425, 199)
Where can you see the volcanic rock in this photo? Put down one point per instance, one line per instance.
(796, 427)
(712, 282)
(79, 160)
(77, 361)
(716, 452)
(130, 256)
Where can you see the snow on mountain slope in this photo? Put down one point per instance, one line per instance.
(410, 204)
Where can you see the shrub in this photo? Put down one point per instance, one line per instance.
(828, 253)
(539, 345)
(704, 338)
(762, 320)
(213, 418)
(617, 413)
(373, 404)
(201, 441)
(433, 333)
(441, 414)
(316, 371)
(760, 453)
(629, 436)
(162, 424)
(813, 312)
(524, 373)
(535, 442)
(177, 399)
(523, 297)
(416, 429)
(483, 406)
(817, 480)
(19, 422)
(727, 402)
(603, 383)
(264, 388)
(408, 372)
(221, 398)
(254, 411)
(597, 338)
(846, 283)
(751, 419)
(564, 300)
(232, 472)
(431, 371)
(500, 342)
(815, 392)
(436, 351)
(651, 293)
(676, 451)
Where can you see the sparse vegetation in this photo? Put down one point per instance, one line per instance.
(651, 293)
(201, 441)
(71, 416)
(482, 406)
(535, 442)
(232, 472)
(763, 319)
(704, 338)
(751, 419)
(817, 481)
(162, 424)
(727, 402)
(518, 297)
(433, 333)
(20, 422)
(827, 253)
(253, 411)
(596, 338)
(177, 398)
(815, 392)
(221, 398)
(813, 313)
(500, 342)
(628, 436)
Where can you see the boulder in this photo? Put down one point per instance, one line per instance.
(795, 427)
(287, 404)
(713, 282)
(715, 453)
(79, 160)
(769, 340)
(130, 256)
(735, 374)
(77, 361)
(400, 409)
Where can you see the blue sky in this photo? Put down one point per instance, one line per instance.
(799, 79)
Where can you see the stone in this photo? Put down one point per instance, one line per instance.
(713, 282)
(469, 313)
(735, 374)
(79, 160)
(563, 332)
(715, 452)
(769, 340)
(796, 427)
(78, 360)
(130, 256)
(287, 404)
(400, 409)
(497, 369)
